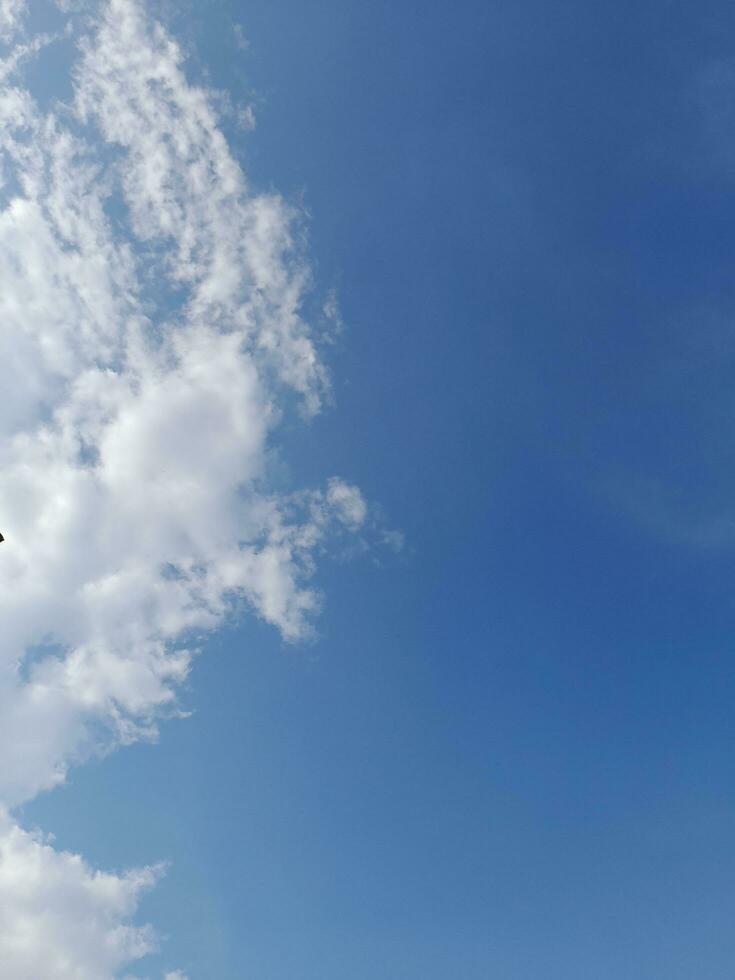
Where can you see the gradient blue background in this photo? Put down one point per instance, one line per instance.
(510, 753)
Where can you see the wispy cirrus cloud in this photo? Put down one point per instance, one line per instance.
(11, 16)
(152, 336)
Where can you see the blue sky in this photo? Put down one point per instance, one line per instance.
(505, 751)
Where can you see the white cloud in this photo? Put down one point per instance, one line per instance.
(59, 919)
(234, 251)
(246, 117)
(347, 502)
(147, 372)
(11, 16)
(240, 39)
(150, 330)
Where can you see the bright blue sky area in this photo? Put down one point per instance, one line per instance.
(509, 754)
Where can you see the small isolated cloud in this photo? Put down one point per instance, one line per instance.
(245, 117)
(710, 95)
(678, 515)
(347, 503)
(333, 324)
(240, 39)
(152, 340)
(395, 540)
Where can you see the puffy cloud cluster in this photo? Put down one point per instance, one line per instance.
(150, 332)
(59, 919)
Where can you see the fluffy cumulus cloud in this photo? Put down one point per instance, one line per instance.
(59, 919)
(152, 339)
